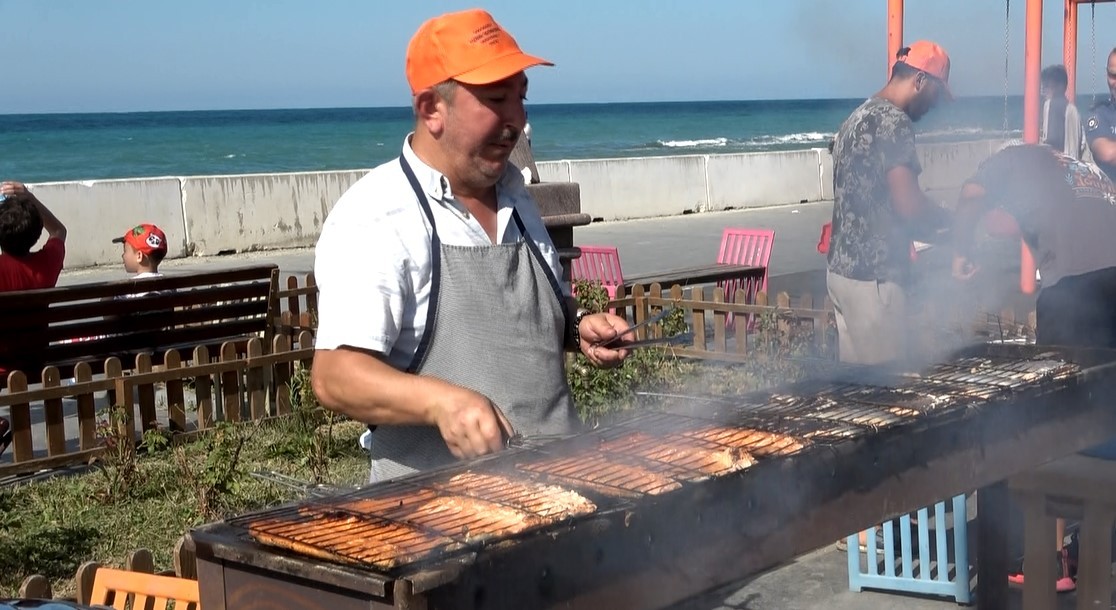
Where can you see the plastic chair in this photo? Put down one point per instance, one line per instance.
(745, 247)
(144, 591)
(599, 264)
(933, 571)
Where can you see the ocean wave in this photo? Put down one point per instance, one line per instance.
(805, 137)
(693, 143)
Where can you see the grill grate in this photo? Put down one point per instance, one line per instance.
(401, 523)
(418, 518)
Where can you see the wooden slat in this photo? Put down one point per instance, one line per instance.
(83, 580)
(149, 418)
(36, 587)
(86, 407)
(293, 305)
(22, 449)
(312, 296)
(65, 310)
(142, 324)
(140, 560)
(203, 392)
(230, 386)
(100, 290)
(53, 416)
(176, 399)
(719, 341)
(254, 380)
(283, 370)
(48, 463)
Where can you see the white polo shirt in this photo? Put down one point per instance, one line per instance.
(373, 260)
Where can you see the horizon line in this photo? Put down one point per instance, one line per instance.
(532, 105)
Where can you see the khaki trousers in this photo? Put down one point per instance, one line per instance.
(871, 320)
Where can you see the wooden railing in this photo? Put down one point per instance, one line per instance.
(225, 387)
(299, 304)
(731, 330)
(140, 560)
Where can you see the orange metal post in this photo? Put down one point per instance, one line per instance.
(1032, 68)
(894, 31)
(1069, 48)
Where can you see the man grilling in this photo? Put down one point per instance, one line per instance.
(442, 316)
(1066, 213)
(879, 209)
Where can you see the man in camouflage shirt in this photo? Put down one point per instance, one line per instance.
(879, 207)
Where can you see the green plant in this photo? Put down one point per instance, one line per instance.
(118, 462)
(600, 394)
(310, 440)
(218, 475)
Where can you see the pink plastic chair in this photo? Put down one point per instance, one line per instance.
(746, 247)
(600, 264)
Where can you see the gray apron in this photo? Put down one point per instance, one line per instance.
(496, 324)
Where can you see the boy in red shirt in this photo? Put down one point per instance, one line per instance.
(23, 218)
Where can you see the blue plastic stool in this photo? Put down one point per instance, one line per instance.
(933, 573)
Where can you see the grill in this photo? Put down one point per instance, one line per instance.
(694, 492)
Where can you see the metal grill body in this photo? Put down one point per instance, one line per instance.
(697, 491)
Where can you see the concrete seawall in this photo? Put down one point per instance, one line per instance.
(206, 215)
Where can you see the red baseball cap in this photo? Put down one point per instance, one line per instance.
(466, 46)
(145, 238)
(930, 58)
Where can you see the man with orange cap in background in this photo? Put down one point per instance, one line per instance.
(879, 208)
(443, 317)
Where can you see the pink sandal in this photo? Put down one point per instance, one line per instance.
(1065, 584)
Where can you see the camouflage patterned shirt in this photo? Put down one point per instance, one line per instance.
(869, 240)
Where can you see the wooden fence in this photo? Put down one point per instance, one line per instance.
(141, 560)
(732, 330)
(299, 301)
(226, 386)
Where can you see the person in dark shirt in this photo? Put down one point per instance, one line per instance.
(1100, 128)
(1066, 213)
(879, 208)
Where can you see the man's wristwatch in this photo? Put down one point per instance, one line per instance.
(578, 317)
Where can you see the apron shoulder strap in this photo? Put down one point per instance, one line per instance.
(547, 271)
(435, 269)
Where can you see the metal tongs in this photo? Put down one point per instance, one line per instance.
(679, 339)
(310, 489)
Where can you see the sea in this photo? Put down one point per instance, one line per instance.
(92, 146)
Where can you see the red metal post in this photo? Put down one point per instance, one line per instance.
(894, 31)
(1069, 48)
(1032, 53)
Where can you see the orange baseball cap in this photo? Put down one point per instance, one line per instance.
(145, 238)
(467, 46)
(929, 58)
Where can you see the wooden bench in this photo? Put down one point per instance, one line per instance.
(92, 322)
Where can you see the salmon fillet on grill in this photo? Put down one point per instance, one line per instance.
(682, 451)
(549, 502)
(342, 537)
(606, 474)
(756, 442)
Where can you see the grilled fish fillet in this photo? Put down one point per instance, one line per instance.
(549, 502)
(340, 536)
(756, 442)
(682, 451)
(606, 474)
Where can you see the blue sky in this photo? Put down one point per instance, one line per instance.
(129, 55)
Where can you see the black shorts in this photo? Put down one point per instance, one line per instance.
(1079, 311)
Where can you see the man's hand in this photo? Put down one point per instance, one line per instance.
(600, 328)
(469, 423)
(964, 268)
